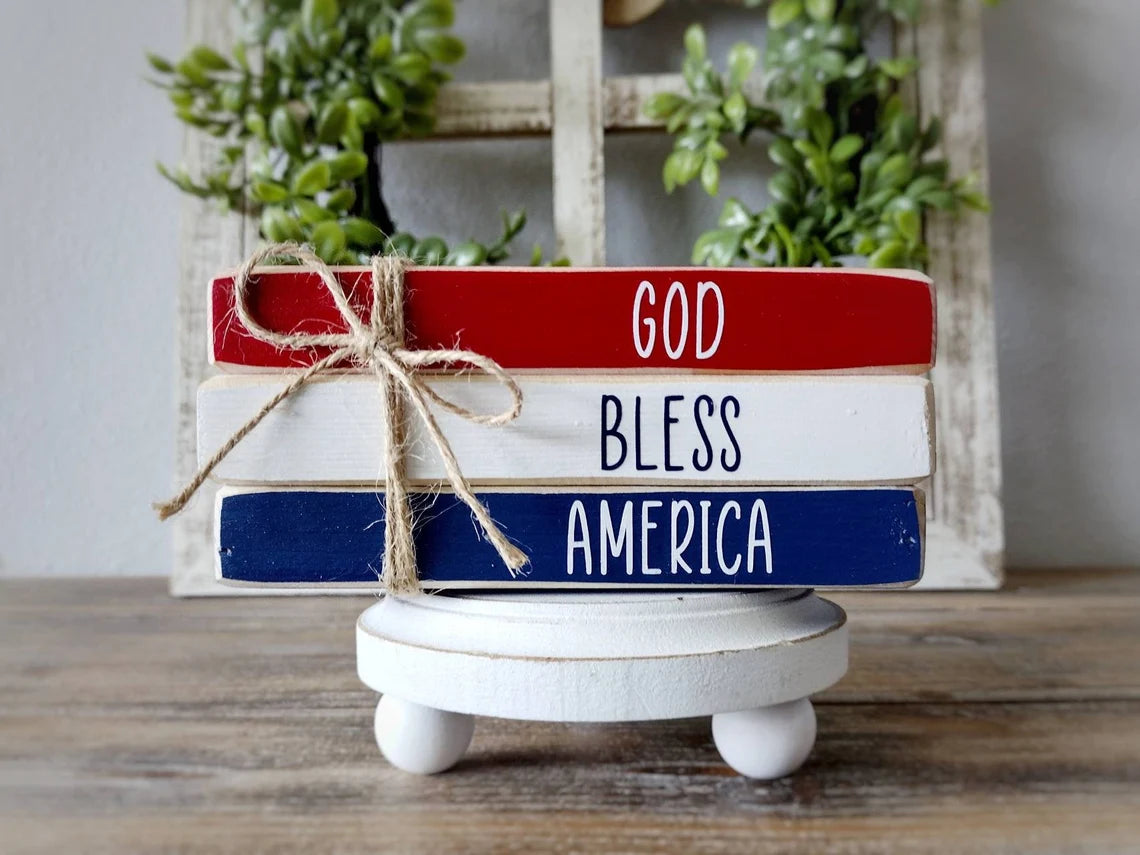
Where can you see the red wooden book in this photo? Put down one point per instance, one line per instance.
(559, 319)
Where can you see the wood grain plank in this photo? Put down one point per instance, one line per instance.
(523, 107)
(900, 778)
(1058, 824)
(587, 429)
(133, 722)
(582, 538)
(1064, 636)
(966, 499)
(576, 130)
(650, 319)
(514, 108)
(210, 242)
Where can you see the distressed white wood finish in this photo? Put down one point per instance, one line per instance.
(750, 660)
(617, 657)
(210, 241)
(523, 107)
(576, 133)
(966, 534)
(801, 430)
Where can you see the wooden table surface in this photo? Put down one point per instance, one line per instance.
(131, 722)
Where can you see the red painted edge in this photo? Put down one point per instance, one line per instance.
(562, 319)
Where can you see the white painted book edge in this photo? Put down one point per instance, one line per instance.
(595, 429)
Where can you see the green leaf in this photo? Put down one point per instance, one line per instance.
(255, 124)
(845, 148)
(278, 226)
(921, 186)
(381, 47)
(438, 14)
(784, 187)
(741, 60)
(717, 248)
(783, 12)
(364, 112)
(932, 135)
(312, 179)
(285, 130)
(467, 254)
(328, 240)
(734, 215)
(361, 232)
(681, 167)
(663, 105)
(695, 44)
(233, 98)
(974, 199)
(783, 153)
(895, 171)
(346, 166)
(735, 109)
(163, 66)
(943, 200)
(889, 254)
(341, 200)
(513, 223)
(898, 67)
(333, 122)
(207, 58)
(821, 128)
(822, 253)
(820, 10)
(318, 16)
(181, 98)
(269, 192)
(193, 72)
(710, 176)
(831, 63)
(389, 92)
(412, 68)
(311, 213)
(790, 245)
(857, 67)
(240, 54)
(909, 224)
(430, 250)
(442, 47)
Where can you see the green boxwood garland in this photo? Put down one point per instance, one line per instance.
(310, 94)
(855, 170)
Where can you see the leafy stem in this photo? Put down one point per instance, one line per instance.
(302, 107)
(855, 171)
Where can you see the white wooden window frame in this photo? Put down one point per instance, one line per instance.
(576, 107)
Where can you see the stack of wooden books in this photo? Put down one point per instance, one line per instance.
(680, 428)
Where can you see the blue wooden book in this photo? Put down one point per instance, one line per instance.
(580, 537)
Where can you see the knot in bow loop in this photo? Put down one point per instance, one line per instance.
(378, 344)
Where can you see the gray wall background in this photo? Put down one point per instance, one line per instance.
(90, 242)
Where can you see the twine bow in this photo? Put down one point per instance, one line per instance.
(378, 344)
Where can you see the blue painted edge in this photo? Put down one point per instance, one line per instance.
(768, 538)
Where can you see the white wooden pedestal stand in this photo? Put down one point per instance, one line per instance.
(748, 659)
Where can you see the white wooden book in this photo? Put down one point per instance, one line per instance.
(589, 429)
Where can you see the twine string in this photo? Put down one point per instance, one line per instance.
(378, 344)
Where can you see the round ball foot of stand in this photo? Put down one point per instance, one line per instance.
(420, 739)
(766, 742)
